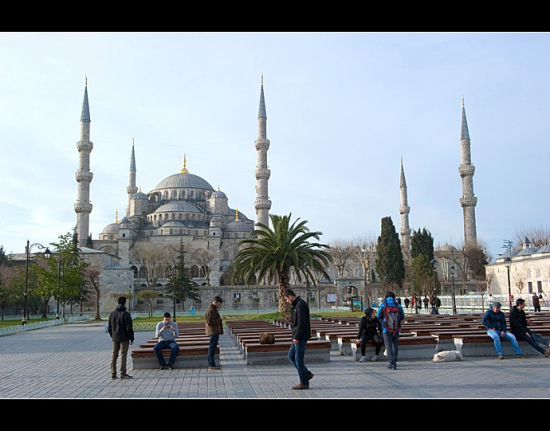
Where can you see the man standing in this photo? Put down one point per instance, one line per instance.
(391, 314)
(214, 327)
(518, 327)
(122, 333)
(495, 322)
(166, 332)
(301, 332)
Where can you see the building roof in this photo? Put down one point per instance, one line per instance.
(184, 180)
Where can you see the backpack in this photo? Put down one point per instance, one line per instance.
(392, 320)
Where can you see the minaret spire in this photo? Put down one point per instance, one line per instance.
(131, 189)
(83, 207)
(404, 210)
(262, 203)
(466, 170)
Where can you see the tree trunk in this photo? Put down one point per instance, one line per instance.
(284, 280)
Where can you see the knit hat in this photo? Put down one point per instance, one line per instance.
(497, 304)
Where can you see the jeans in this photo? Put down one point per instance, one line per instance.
(495, 335)
(391, 341)
(296, 357)
(212, 349)
(121, 346)
(166, 344)
(534, 341)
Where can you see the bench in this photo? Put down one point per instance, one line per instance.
(188, 357)
(267, 354)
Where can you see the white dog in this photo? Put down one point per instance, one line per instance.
(447, 355)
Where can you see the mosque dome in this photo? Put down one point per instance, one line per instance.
(139, 195)
(182, 180)
(177, 206)
(112, 228)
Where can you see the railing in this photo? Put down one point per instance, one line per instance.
(13, 329)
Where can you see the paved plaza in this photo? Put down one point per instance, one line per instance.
(72, 361)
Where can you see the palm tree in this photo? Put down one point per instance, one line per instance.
(274, 253)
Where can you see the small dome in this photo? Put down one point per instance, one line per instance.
(446, 247)
(219, 194)
(111, 228)
(237, 226)
(139, 195)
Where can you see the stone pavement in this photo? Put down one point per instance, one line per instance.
(72, 361)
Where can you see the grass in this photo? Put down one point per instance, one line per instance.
(17, 322)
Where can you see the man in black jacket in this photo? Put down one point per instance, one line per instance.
(122, 332)
(301, 332)
(518, 327)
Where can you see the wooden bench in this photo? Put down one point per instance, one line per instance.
(266, 354)
(188, 357)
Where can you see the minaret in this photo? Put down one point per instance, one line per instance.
(466, 171)
(262, 203)
(131, 189)
(83, 207)
(404, 210)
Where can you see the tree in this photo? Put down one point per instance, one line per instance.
(422, 274)
(92, 276)
(273, 253)
(422, 242)
(389, 261)
(63, 274)
(180, 286)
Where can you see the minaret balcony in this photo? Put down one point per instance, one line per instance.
(262, 204)
(262, 144)
(84, 176)
(470, 201)
(84, 146)
(83, 207)
(262, 173)
(466, 170)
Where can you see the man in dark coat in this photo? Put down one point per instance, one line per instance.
(518, 327)
(301, 332)
(122, 333)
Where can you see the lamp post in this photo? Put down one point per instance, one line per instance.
(434, 267)
(174, 274)
(508, 263)
(452, 271)
(26, 292)
(58, 285)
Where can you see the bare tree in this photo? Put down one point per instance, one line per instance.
(91, 274)
(538, 236)
(340, 251)
(156, 259)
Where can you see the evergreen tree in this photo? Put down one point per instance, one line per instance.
(180, 286)
(389, 261)
(422, 242)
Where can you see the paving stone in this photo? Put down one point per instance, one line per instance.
(73, 361)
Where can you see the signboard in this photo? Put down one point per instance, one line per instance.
(332, 297)
(356, 303)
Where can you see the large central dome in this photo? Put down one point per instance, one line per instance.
(180, 180)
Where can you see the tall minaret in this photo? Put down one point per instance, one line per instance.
(131, 189)
(83, 207)
(262, 203)
(404, 210)
(466, 171)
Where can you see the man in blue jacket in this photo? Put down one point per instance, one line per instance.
(391, 314)
(495, 322)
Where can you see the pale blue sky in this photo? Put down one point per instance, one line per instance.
(342, 109)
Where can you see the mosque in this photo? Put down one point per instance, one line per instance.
(182, 208)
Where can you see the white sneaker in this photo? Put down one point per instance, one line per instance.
(374, 358)
(363, 359)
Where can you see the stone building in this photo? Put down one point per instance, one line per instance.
(529, 269)
(183, 208)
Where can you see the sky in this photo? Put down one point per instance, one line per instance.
(343, 109)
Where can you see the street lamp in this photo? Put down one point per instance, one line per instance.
(58, 285)
(25, 294)
(508, 263)
(174, 274)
